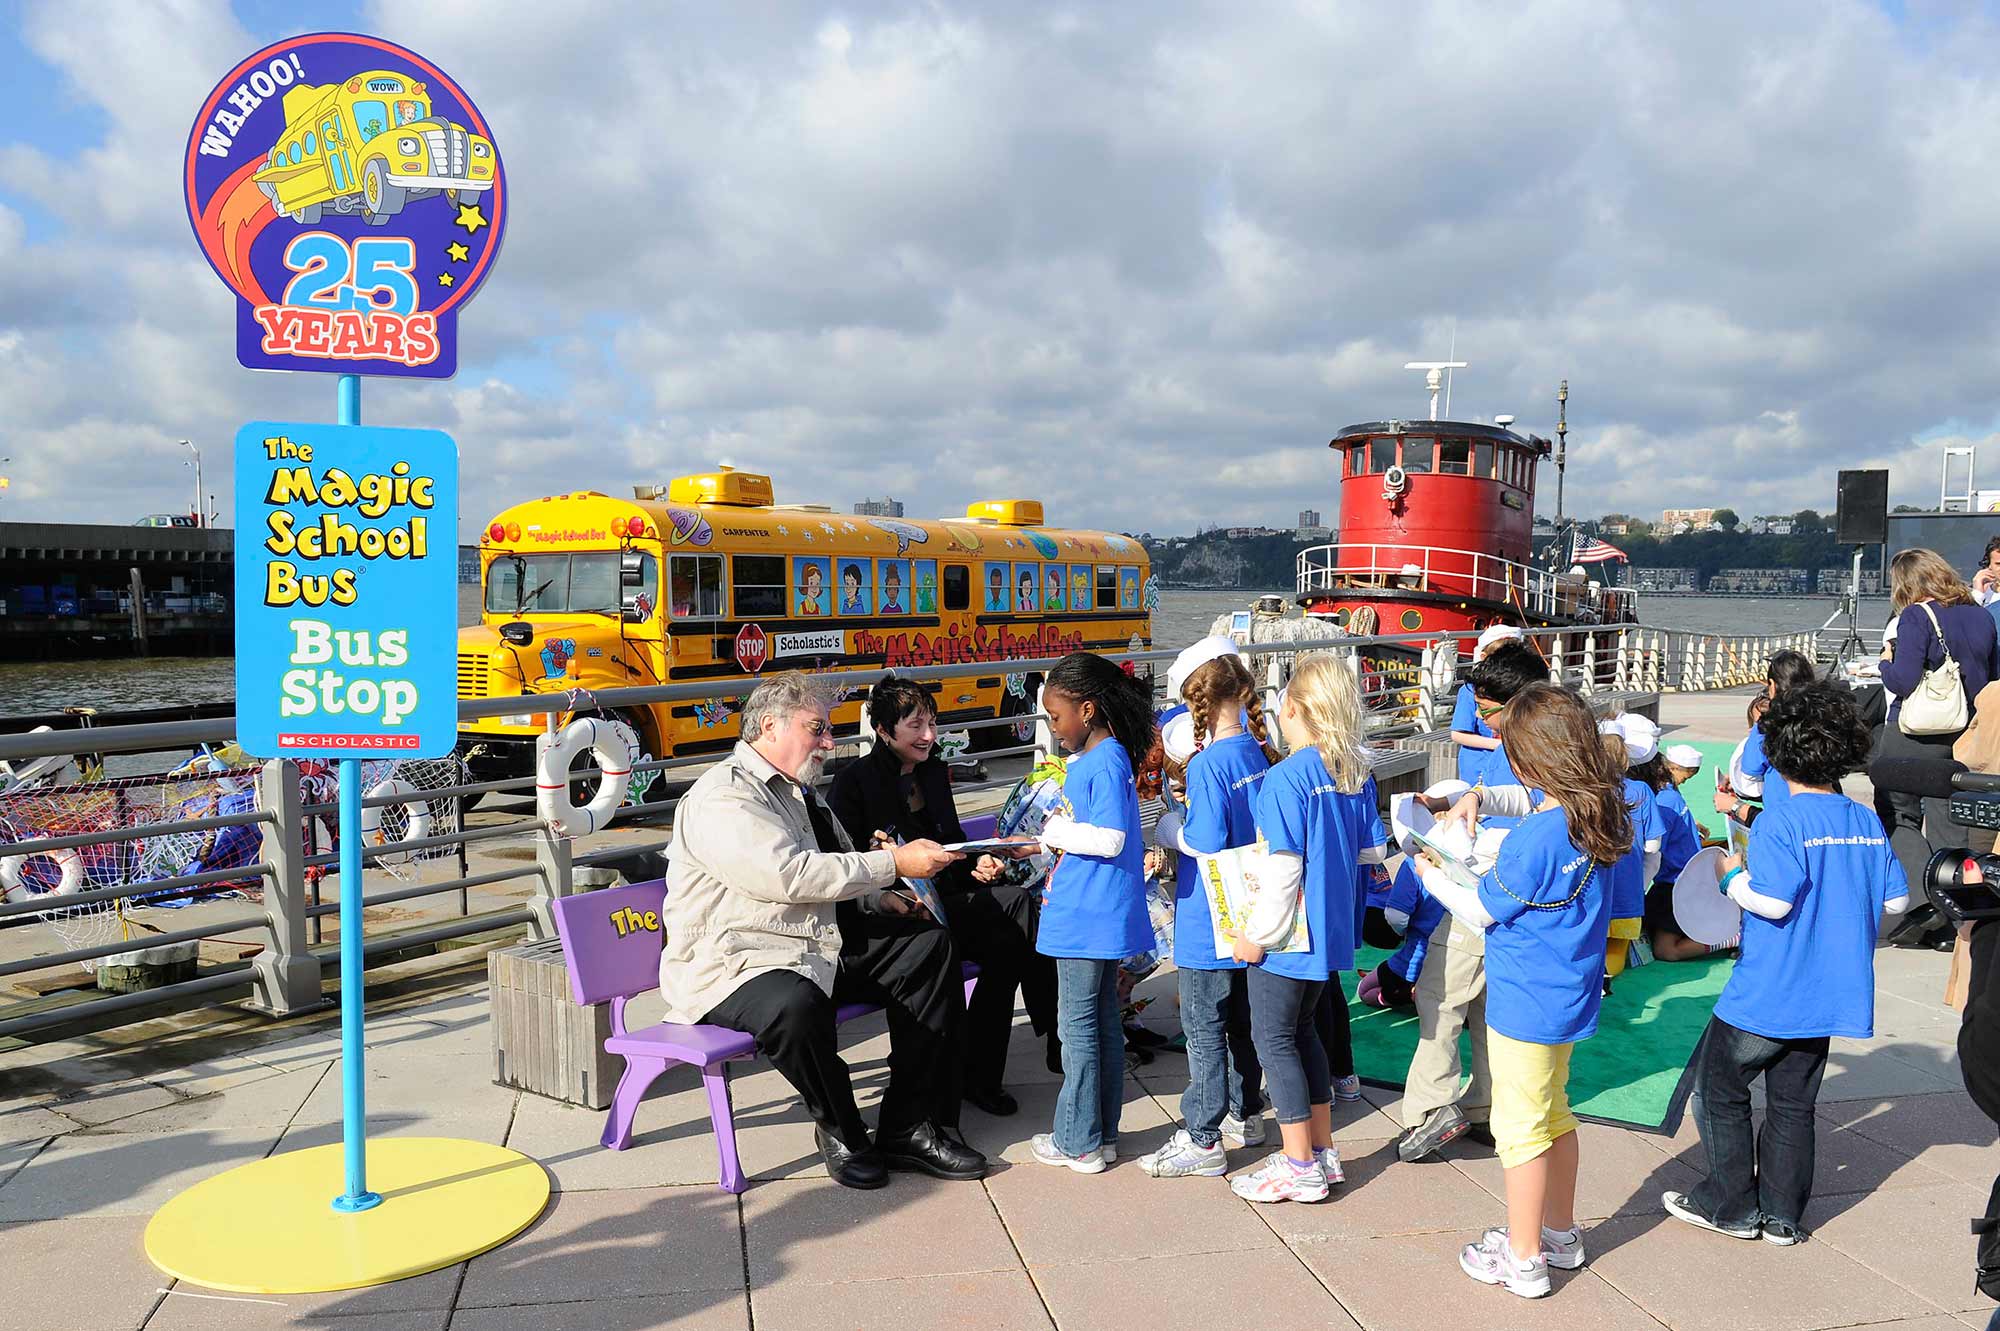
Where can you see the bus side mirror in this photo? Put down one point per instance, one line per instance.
(631, 583)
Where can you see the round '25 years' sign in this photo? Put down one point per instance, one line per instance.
(351, 195)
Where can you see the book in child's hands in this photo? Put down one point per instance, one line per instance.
(1231, 879)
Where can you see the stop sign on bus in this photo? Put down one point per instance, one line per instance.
(752, 646)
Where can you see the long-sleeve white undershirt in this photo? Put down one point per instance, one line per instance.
(1463, 902)
(1771, 908)
(1067, 834)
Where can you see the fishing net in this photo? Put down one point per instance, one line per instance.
(215, 783)
(416, 816)
(43, 809)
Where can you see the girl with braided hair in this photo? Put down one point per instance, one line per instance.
(1224, 1103)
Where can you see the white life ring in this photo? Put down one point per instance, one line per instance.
(416, 810)
(68, 860)
(612, 743)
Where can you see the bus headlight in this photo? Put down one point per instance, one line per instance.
(407, 146)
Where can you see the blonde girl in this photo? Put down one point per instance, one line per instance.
(1317, 817)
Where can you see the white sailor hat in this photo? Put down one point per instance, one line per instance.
(1494, 633)
(1194, 658)
(1177, 738)
(1642, 737)
(1683, 755)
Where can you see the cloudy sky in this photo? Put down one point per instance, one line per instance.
(1139, 261)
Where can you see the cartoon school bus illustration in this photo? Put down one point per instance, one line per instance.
(371, 145)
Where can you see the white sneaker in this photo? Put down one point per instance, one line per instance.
(1279, 1180)
(1240, 1132)
(1329, 1164)
(1347, 1089)
(1491, 1261)
(1563, 1248)
(1090, 1162)
(1181, 1157)
(1680, 1208)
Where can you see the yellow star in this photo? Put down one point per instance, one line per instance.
(470, 217)
(458, 252)
(444, 279)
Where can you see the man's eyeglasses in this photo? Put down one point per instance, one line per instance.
(818, 729)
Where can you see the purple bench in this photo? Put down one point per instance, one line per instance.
(611, 940)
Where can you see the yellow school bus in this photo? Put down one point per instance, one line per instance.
(708, 579)
(373, 144)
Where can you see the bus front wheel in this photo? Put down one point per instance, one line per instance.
(384, 198)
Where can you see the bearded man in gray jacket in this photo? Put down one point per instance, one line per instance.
(754, 943)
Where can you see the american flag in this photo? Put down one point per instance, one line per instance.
(1590, 550)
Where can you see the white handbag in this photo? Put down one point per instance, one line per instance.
(1937, 705)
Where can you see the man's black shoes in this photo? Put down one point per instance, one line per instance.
(930, 1149)
(861, 1169)
(992, 1100)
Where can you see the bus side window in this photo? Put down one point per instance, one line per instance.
(957, 587)
(1107, 587)
(759, 582)
(694, 586)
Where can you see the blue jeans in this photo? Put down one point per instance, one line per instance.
(1283, 1012)
(1768, 1175)
(1223, 1072)
(1093, 1054)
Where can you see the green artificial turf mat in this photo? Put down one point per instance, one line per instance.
(1633, 1072)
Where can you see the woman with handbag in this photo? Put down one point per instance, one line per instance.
(1945, 651)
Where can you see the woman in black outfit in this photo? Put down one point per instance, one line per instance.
(902, 788)
(1931, 604)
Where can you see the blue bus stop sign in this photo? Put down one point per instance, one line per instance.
(346, 591)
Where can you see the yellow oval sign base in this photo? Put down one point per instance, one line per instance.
(270, 1227)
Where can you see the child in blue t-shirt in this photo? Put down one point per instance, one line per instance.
(1222, 778)
(1821, 878)
(1632, 741)
(1669, 770)
(1317, 818)
(1451, 988)
(1094, 899)
(1415, 913)
(1475, 739)
(1546, 908)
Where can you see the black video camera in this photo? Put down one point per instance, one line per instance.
(1964, 884)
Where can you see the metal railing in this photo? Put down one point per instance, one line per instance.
(1409, 680)
(1440, 569)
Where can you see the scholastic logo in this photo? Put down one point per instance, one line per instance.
(826, 642)
(293, 739)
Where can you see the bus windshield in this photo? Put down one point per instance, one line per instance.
(553, 584)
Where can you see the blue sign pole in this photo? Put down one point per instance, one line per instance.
(353, 1091)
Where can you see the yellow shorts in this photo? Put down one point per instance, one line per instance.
(1618, 946)
(1530, 1096)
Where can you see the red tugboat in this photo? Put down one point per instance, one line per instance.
(1435, 524)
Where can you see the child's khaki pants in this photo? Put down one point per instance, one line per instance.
(1451, 996)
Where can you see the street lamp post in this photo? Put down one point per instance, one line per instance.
(200, 502)
(1562, 445)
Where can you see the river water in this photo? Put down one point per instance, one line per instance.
(1183, 616)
